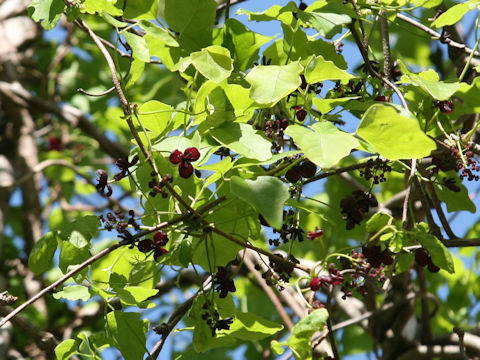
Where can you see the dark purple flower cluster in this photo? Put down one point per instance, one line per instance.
(355, 206)
(223, 282)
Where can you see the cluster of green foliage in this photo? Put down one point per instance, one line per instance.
(185, 77)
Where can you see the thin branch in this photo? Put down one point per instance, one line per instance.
(71, 115)
(371, 70)
(268, 290)
(422, 281)
(103, 93)
(435, 34)
(45, 340)
(166, 328)
(42, 166)
(409, 189)
(387, 57)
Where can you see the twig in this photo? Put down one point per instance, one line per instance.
(42, 166)
(270, 293)
(60, 281)
(435, 34)
(407, 194)
(166, 329)
(387, 58)
(335, 172)
(103, 93)
(101, 254)
(71, 115)
(426, 328)
(45, 340)
(436, 204)
(363, 52)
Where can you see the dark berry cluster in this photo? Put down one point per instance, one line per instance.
(445, 106)
(157, 186)
(275, 127)
(375, 169)
(334, 278)
(223, 282)
(118, 221)
(376, 256)
(184, 159)
(355, 206)
(278, 271)
(123, 164)
(381, 98)
(466, 168)
(212, 318)
(362, 267)
(289, 231)
(155, 246)
(422, 258)
(305, 169)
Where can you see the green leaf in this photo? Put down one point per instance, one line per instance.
(193, 20)
(243, 139)
(72, 255)
(136, 71)
(80, 231)
(378, 221)
(277, 347)
(139, 46)
(101, 6)
(74, 292)
(394, 133)
(326, 23)
(271, 83)
(66, 349)
(133, 295)
(327, 105)
(111, 20)
(454, 14)
(439, 252)
(127, 332)
(46, 12)
(139, 9)
(41, 256)
(243, 43)
(267, 194)
(213, 62)
(455, 201)
(248, 326)
(158, 33)
(155, 115)
(318, 69)
(325, 145)
(220, 108)
(275, 12)
(300, 339)
(430, 82)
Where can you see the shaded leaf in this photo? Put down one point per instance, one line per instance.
(267, 194)
(41, 256)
